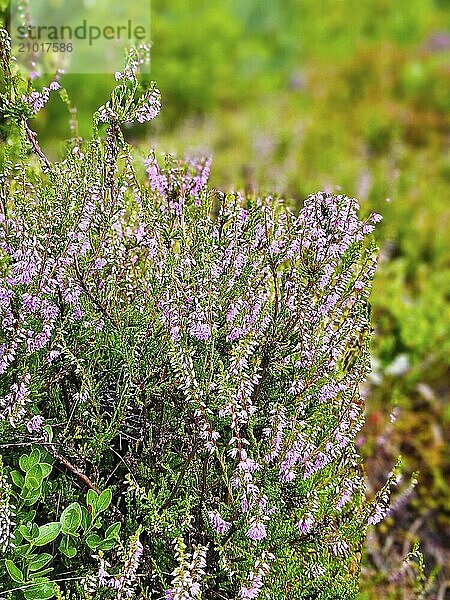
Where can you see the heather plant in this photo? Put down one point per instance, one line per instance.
(184, 366)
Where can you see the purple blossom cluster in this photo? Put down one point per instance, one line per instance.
(13, 405)
(256, 577)
(37, 100)
(178, 181)
(137, 108)
(219, 524)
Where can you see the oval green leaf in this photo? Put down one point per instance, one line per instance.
(14, 572)
(47, 533)
(66, 547)
(113, 530)
(71, 518)
(104, 500)
(86, 519)
(17, 478)
(33, 477)
(46, 469)
(93, 540)
(26, 461)
(40, 561)
(40, 591)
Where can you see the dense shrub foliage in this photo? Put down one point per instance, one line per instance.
(179, 373)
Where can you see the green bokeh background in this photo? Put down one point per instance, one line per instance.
(293, 96)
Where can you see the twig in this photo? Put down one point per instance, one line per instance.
(81, 476)
(180, 476)
(32, 139)
(91, 296)
(85, 479)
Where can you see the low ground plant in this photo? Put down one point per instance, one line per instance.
(180, 372)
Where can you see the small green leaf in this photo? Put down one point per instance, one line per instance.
(39, 563)
(71, 518)
(40, 591)
(17, 478)
(86, 519)
(104, 500)
(46, 469)
(91, 498)
(26, 461)
(25, 532)
(14, 572)
(33, 477)
(40, 575)
(23, 462)
(67, 548)
(113, 530)
(34, 457)
(93, 540)
(22, 550)
(47, 533)
(49, 431)
(107, 544)
(31, 496)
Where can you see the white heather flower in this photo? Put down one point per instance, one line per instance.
(399, 366)
(6, 513)
(187, 577)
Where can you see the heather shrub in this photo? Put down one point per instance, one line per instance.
(179, 373)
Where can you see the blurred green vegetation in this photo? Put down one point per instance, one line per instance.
(300, 95)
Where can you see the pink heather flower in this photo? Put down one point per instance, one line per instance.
(257, 531)
(219, 524)
(30, 303)
(305, 524)
(158, 182)
(233, 311)
(201, 331)
(53, 354)
(377, 515)
(103, 577)
(35, 424)
(376, 218)
(243, 216)
(360, 441)
(255, 579)
(201, 177)
(344, 499)
(150, 108)
(251, 592)
(99, 263)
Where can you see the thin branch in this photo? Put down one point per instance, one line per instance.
(180, 476)
(79, 474)
(32, 140)
(91, 296)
